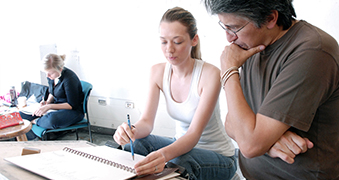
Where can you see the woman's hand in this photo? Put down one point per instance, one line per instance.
(43, 102)
(123, 134)
(153, 163)
(288, 146)
(41, 110)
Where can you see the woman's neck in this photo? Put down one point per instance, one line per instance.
(183, 70)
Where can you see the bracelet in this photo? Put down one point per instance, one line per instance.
(227, 77)
(227, 72)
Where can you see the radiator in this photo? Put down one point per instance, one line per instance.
(111, 112)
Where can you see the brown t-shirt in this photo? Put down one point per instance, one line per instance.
(295, 81)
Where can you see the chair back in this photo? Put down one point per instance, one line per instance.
(86, 89)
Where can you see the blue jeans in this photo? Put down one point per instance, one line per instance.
(199, 163)
(54, 120)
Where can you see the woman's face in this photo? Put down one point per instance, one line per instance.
(176, 43)
(52, 73)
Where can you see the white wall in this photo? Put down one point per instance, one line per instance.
(112, 44)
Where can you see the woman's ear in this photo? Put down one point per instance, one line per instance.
(272, 19)
(195, 40)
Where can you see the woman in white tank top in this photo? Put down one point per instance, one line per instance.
(191, 88)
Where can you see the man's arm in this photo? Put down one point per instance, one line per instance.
(289, 146)
(254, 133)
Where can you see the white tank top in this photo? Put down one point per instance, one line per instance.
(214, 136)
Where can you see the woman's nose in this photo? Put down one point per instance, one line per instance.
(169, 48)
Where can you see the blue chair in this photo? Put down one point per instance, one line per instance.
(42, 132)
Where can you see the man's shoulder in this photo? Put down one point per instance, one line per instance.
(311, 36)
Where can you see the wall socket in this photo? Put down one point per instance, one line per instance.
(129, 105)
(102, 102)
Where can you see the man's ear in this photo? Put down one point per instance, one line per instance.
(272, 19)
(195, 40)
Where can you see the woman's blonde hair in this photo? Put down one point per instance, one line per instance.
(53, 61)
(185, 18)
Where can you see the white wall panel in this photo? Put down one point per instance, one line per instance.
(113, 44)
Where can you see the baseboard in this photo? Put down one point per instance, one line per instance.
(102, 130)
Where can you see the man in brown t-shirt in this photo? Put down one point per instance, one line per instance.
(289, 82)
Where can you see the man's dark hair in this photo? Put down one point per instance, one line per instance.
(257, 11)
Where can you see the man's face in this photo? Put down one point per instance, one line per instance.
(242, 32)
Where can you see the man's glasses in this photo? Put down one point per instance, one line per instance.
(231, 32)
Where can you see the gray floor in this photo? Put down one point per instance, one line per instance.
(100, 136)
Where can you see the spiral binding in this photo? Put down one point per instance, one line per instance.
(101, 160)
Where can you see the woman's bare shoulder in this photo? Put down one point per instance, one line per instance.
(158, 68)
(209, 68)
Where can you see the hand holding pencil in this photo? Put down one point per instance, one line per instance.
(124, 134)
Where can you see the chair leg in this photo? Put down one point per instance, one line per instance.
(44, 136)
(90, 134)
(76, 132)
(90, 137)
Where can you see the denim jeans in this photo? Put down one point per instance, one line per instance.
(53, 120)
(200, 164)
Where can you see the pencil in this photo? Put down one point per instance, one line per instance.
(131, 142)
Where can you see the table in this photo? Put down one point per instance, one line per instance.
(11, 149)
(18, 131)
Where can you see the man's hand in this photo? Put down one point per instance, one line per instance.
(288, 146)
(233, 55)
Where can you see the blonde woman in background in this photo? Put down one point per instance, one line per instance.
(65, 96)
